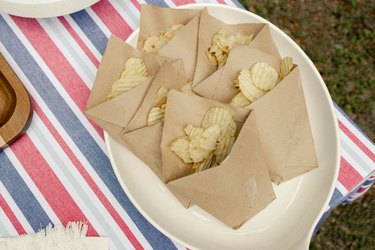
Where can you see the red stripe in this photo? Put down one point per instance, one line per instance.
(56, 62)
(76, 37)
(221, 1)
(112, 19)
(88, 178)
(47, 182)
(181, 2)
(360, 144)
(136, 4)
(348, 176)
(11, 216)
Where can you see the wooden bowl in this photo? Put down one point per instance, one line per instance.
(15, 105)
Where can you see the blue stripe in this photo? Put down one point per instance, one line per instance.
(159, 3)
(336, 198)
(21, 194)
(351, 122)
(78, 133)
(238, 4)
(91, 29)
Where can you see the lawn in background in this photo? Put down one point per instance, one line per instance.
(339, 37)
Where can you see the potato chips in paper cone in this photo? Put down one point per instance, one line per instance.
(113, 115)
(167, 78)
(237, 189)
(284, 129)
(209, 26)
(182, 110)
(221, 87)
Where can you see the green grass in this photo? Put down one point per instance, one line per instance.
(339, 37)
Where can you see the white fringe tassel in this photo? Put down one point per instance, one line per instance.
(50, 238)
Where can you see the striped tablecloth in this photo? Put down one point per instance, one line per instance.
(59, 170)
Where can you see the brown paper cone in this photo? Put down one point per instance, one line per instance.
(220, 87)
(181, 111)
(264, 42)
(167, 77)
(236, 190)
(284, 129)
(154, 20)
(184, 45)
(208, 27)
(145, 144)
(118, 111)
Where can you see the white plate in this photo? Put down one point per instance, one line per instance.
(43, 8)
(288, 222)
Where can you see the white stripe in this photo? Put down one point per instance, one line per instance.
(84, 186)
(230, 3)
(170, 3)
(93, 174)
(359, 153)
(11, 230)
(341, 188)
(122, 8)
(355, 131)
(98, 22)
(353, 163)
(15, 209)
(83, 37)
(178, 246)
(32, 187)
(86, 76)
(69, 101)
(55, 24)
(73, 190)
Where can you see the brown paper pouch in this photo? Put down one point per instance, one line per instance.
(284, 129)
(118, 111)
(167, 77)
(184, 45)
(220, 87)
(236, 190)
(181, 111)
(264, 42)
(145, 144)
(208, 27)
(154, 20)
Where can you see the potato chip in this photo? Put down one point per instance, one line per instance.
(247, 87)
(192, 131)
(263, 76)
(285, 67)
(204, 143)
(153, 44)
(210, 144)
(222, 43)
(240, 101)
(156, 115)
(181, 148)
(188, 89)
(206, 164)
(135, 72)
(224, 119)
(162, 97)
(171, 31)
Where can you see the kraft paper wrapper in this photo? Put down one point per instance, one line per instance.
(219, 86)
(284, 129)
(154, 20)
(208, 27)
(184, 45)
(167, 77)
(113, 115)
(237, 189)
(182, 110)
(145, 144)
